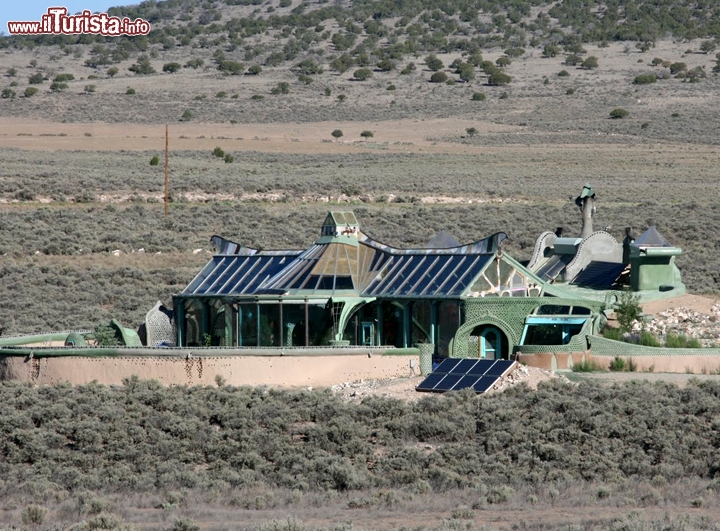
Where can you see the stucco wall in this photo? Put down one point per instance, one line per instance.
(305, 371)
(563, 361)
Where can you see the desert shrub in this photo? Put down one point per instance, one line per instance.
(194, 63)
(142, 67)
(590, 63)
(471, 131)
(257, 97)
(438, 77)
(408, 69)
(218, 152)
(514, 52)
(498, 78)
(613, 333)
(627, 310)
(130, 90)
(586, 366)
(451, 82)
(644, 79)
(111, 71)
(362, 74)
(550, 50)
(478, 96)
(171, 68)
(228, 158)
(677, 67)
(7, 93)
(233, 68)
(221, 94)
(563, 73)
(681, 341)
(154, 161)
(341, 97)
(30, 91)
(61, 78)
(504, 96)
(336, 134)
(391, 87)
(105, 335)
(34, 515)
(89, 89)
(302, 78)
(697, 73)
(254, 70)
(187, 116)
(618, 113)
(500, 494)
(36, 79)
(283, 87)
(57, 87)
(503, 61)
(386, 65)
(367, 134)
(11, 72)
(570, 91)
(308, 67)
(433, 63)
(182, 523)
(617, 364)
(573, 60)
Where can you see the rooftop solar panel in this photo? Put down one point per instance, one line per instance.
(455, 374)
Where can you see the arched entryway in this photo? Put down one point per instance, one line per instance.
(488, 342)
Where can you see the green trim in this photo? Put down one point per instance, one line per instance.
(37, 338)
(402, 352)
(184, 353)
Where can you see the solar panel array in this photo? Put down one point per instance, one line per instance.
(454, 374)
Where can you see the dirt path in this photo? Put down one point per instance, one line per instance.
(396, 135)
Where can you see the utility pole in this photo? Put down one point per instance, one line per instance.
(167, 176)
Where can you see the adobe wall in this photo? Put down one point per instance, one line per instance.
(683, 363)
(302, 371)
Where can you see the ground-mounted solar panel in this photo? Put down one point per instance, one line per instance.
(464, 366)
(447, 365)
(448, 383)
(465, 382)
(429, 383)
(455, 374)
(484, 384)
(499, 368)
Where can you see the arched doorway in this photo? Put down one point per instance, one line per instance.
(488, 342)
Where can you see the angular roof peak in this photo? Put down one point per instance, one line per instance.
(651, 238)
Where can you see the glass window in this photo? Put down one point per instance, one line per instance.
(193, 323)
(392, 325)
(293, 324)
(269, 325)
(544, 334)
(343, 282)
(448, 319)
(449, 263)
(580, 310)
(550, 334)
(320, 329)
(247, 325)
(217, 325)
(553, 309)
(421, 321)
